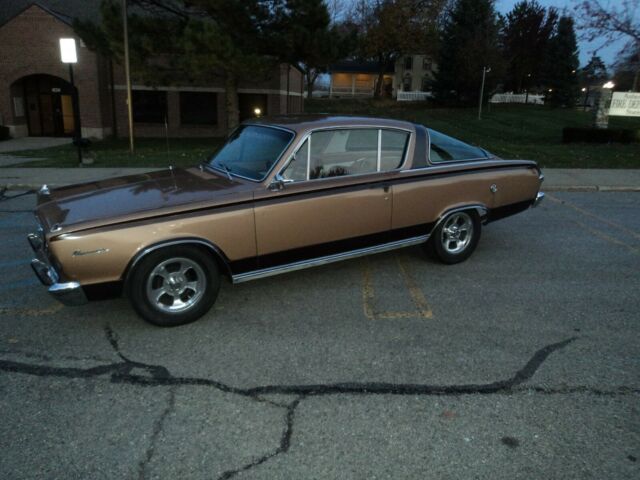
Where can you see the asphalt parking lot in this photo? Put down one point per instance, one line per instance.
(523, 362)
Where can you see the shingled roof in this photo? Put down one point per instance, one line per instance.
(65, 10)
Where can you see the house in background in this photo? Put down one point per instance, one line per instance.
(358, 79)
(414, 75)
(35, 94)
(409, 78)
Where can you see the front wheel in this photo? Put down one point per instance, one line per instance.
(456, 237)
(174, 286)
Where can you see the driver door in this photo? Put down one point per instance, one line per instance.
(335, 200)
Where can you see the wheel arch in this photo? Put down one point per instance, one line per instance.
(216, 253)
(480, 209)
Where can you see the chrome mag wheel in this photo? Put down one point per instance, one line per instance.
(456, 233)
(175, 285)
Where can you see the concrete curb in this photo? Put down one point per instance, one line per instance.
(589, 188)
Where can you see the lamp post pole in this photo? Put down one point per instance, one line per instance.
(485, 70)
(77, 127)
(69, 55)
(127, 73)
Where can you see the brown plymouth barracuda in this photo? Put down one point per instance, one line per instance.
(282, 194)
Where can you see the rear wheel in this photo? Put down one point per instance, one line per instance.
(456, 237)
(174, 286)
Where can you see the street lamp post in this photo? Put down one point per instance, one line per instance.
(127, 73)
(485, 70)
(68, 55)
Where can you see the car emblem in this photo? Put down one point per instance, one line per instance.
(80, 253)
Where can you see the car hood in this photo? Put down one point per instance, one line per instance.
(133, 197)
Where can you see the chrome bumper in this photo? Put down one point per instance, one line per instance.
(538, 199)
(67, 293)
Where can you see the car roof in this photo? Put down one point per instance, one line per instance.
(303, 122)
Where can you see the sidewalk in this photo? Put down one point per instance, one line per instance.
(556, 179)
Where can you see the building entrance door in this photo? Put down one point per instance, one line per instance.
(49, 106)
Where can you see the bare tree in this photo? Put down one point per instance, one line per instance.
(609, 22)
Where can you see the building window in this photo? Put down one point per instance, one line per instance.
(427, 64)
(198, 108)
(149, 106)
(426, 83)
(408, 63)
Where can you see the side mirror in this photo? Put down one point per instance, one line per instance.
(279, 182)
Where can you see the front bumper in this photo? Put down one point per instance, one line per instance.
(68, 293)
(538, 200)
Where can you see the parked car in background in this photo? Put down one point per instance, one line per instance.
(282, 194)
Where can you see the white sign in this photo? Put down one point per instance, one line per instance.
(625, 104)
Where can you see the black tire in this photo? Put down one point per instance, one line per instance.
(185, 280)
(442, 243)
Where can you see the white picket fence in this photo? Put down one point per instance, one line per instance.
(413, 96)
(517, 98)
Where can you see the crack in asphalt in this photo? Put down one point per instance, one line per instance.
(148, 375)
(158, 426)
(285, 442)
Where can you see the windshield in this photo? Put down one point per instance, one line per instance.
(251, 151)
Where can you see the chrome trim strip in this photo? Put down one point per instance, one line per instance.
(185, 241)
(445, 167)
(292, 267)
(481, 209)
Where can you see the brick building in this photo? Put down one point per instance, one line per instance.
(35, 94)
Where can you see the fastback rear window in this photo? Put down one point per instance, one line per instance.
(447, 149)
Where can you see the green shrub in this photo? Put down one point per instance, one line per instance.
(4, 133)
(599, 135)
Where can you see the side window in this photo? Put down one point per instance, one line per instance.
(393, 145)
(448, 149)
(335, 153)
(297, 168)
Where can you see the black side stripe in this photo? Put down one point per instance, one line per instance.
(330, 248)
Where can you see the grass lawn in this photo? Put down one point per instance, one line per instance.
(509, 131)
(149, 152)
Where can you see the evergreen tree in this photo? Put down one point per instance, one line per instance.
(193, 41)
(627, 70)
(311, 42)
(525, 38)
(468, 42)
(562, 63)
(594, 73)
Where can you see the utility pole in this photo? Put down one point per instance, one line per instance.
(127, 74)
(485, 70)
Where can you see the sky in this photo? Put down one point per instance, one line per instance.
(607, 54)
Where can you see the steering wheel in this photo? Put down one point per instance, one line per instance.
(361, 164)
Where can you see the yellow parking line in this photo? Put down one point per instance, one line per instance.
(593, 215)
(367, 292)
(606, 237)
(418, 298)
(31, 312)
(416, 293)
